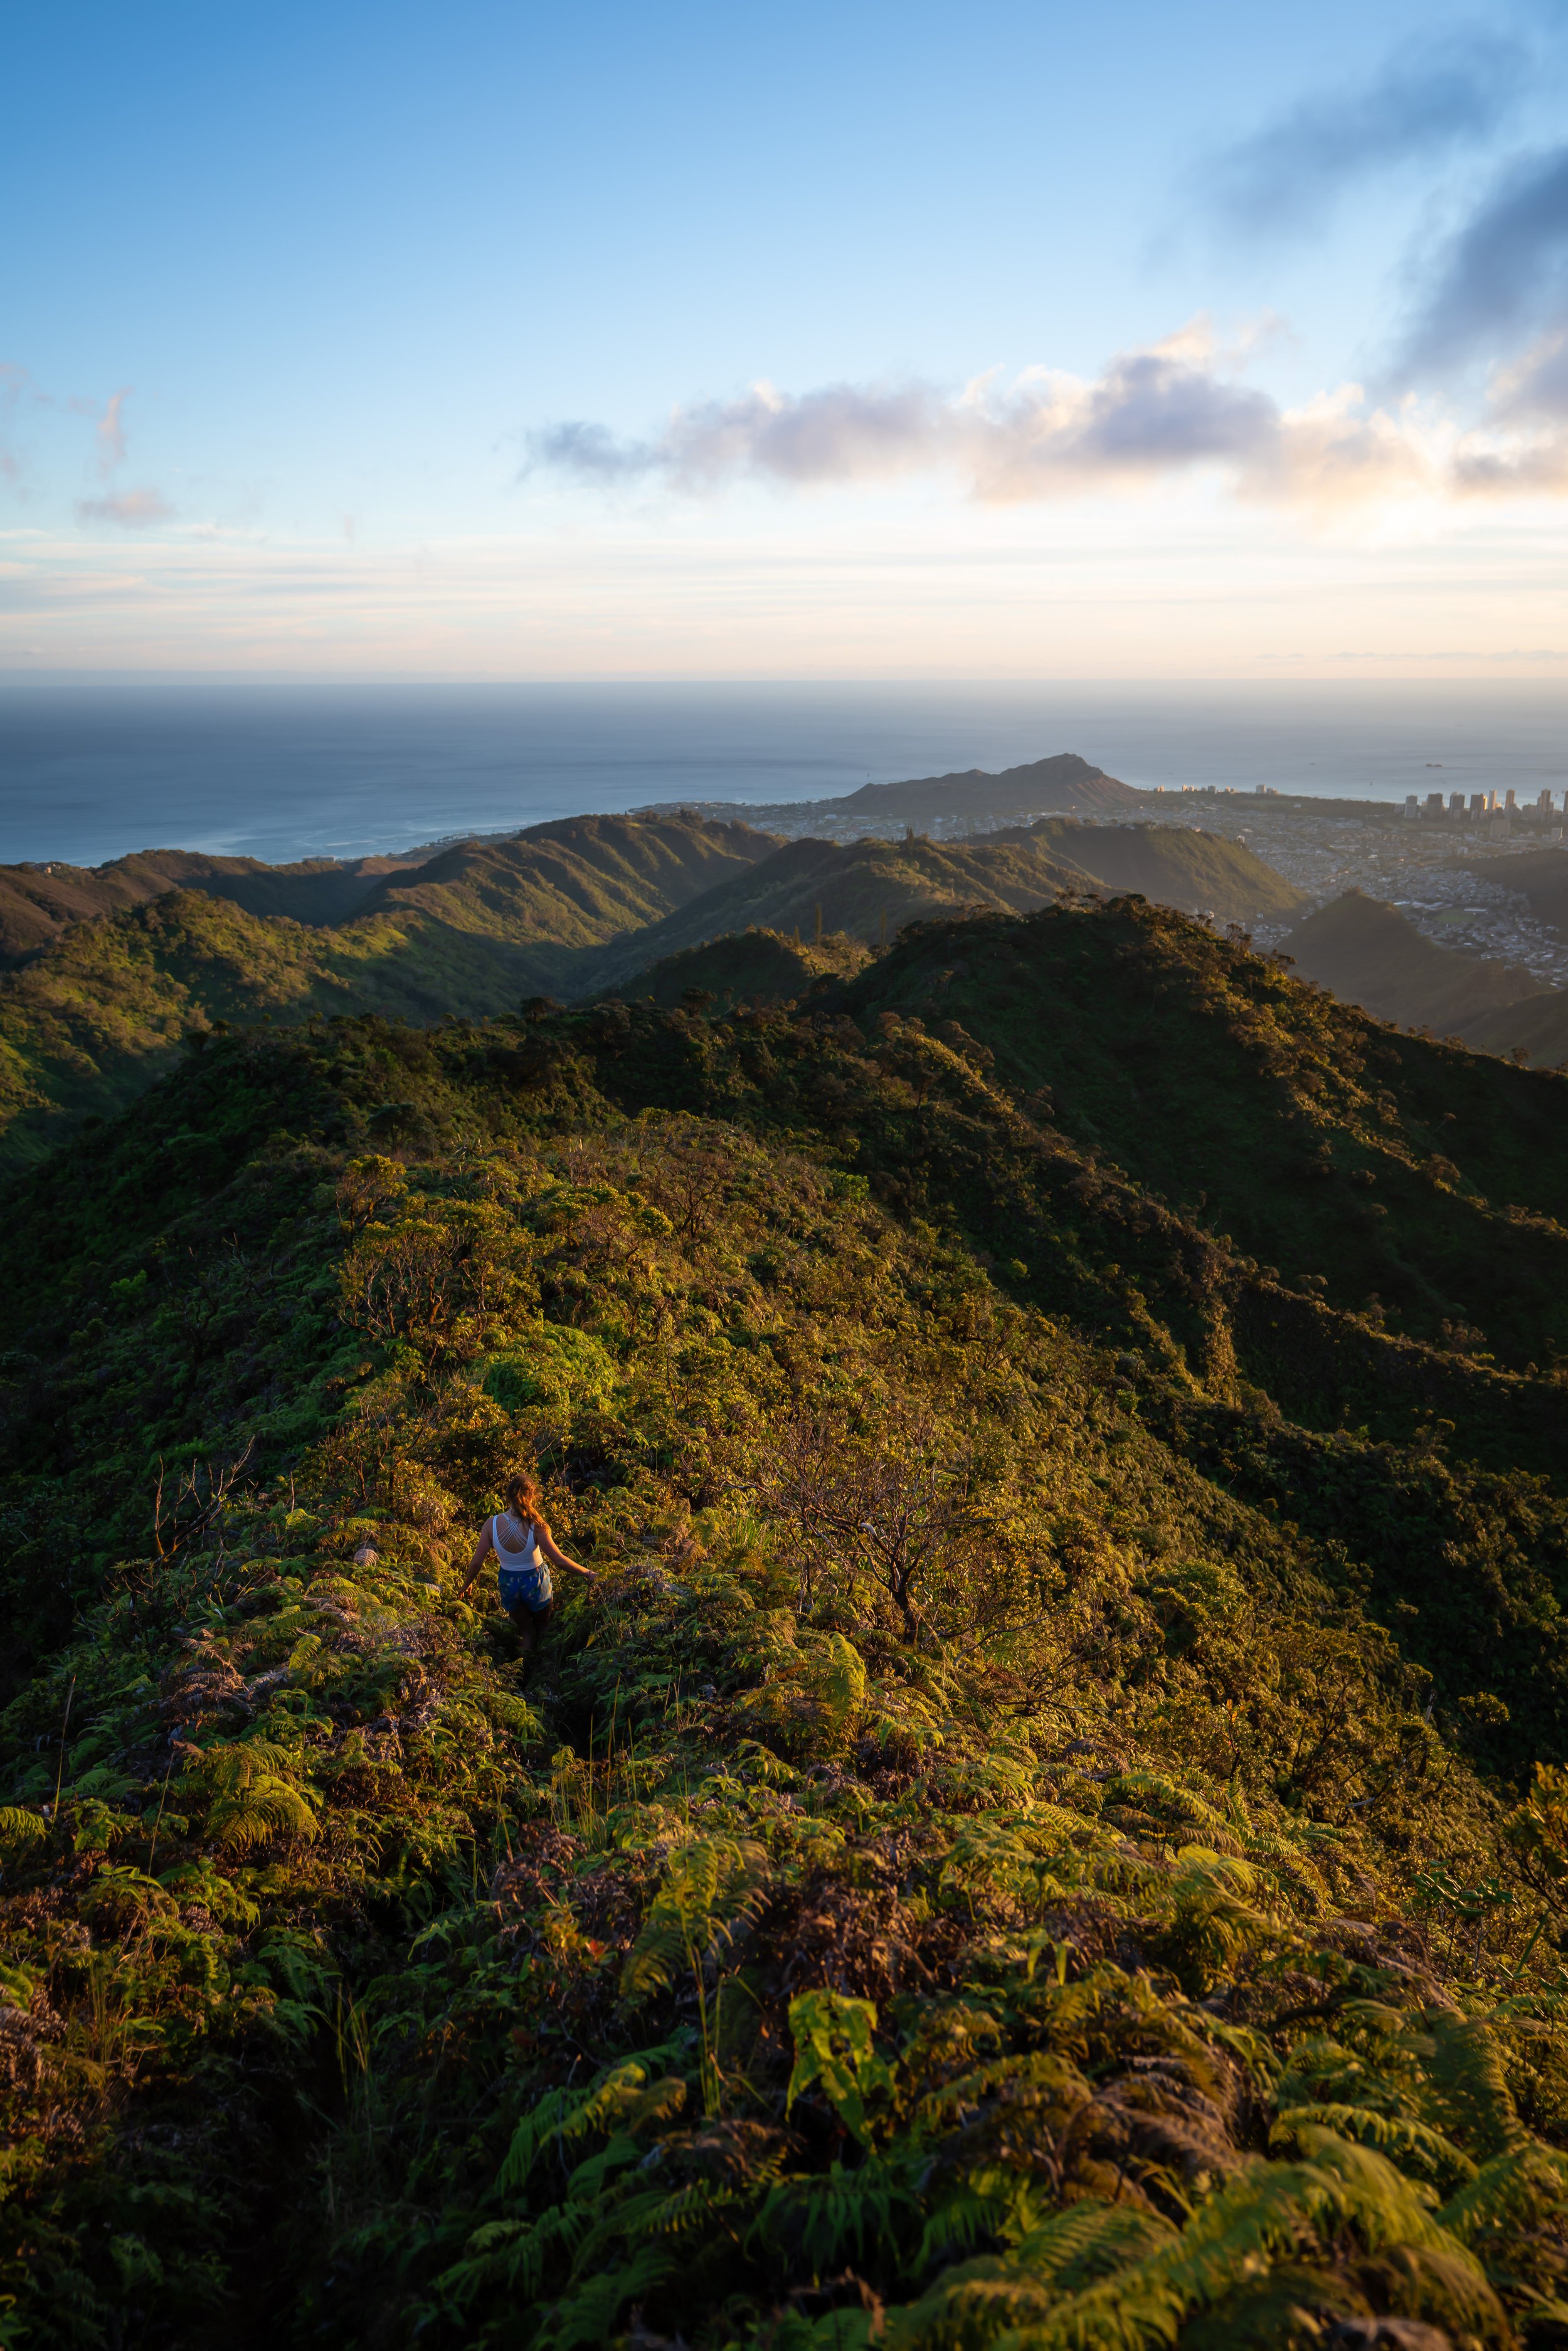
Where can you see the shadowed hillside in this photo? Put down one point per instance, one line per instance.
(1065, 782)
(39, 903)
(867, 889)
(751, 967)
(575, 883)
(1534, 1026)
(1419, 1186)
(1049, 1829)
(1369, 955)
(1540, 876)
(1176, 865)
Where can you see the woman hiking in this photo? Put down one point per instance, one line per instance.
(522, 1541)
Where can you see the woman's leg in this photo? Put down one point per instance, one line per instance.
(531, 1623)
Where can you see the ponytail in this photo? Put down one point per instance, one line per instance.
(523, 1495)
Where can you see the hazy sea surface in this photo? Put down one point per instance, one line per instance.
(92, 767)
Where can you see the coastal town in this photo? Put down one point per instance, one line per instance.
(1443, 863)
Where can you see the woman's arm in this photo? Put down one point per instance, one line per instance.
(556, 1556)
(477, 1562)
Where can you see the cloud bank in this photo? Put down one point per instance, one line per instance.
(1171, 408)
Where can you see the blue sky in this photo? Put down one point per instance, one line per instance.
(428, 341)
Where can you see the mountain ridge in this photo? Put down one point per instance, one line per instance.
(1050, 1815)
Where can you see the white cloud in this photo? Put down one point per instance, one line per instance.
(1173, 408)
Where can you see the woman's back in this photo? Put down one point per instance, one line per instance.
(524, 1551)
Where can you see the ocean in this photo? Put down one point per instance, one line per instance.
(95, 767)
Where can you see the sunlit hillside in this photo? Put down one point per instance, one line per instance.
(1049, 1826)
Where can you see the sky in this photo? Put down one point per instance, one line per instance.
(862, 340)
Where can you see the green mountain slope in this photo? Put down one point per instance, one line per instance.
(868, 890)
(86, 1027)
(748, 967)
(87, 1022)
(1176, 865)
(1420, 1186)
(576, 883)
(39, 904)
(1027, 1840)
(1369, 955)
(573, 908)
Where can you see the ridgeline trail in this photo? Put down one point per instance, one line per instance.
(1049, 1829)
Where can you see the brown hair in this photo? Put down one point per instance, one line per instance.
(523, 1494)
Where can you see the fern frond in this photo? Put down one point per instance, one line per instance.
(1056, 2077)
(612, 2097)
(1467, 2073)
(514, 2253)
(1151, 1792)
(257, 1809)
(1526, 2184)
(975, 2300)
(1415, 2146)
(1267, 2211)
(823, 2218)
(1090, 2241)
(968, 2308)
(588, 2314)
(713, 1887)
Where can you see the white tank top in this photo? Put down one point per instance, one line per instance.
(516, 1562)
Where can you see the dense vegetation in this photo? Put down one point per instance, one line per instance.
(92, 1015)
(1176, 865)
(1050, 1829)
(39, 903)
(97, 1006)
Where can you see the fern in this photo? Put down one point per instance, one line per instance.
(713, 1887)
(588, 2313)
(1527, 2184)
(824, 2218)
(253, 1797)
(1090, 2241)
(1467, 2074)
(969, 2306)
(514, 2253)
(1413, 2146)
(616, 2096)
(1269, 2212)
(839, 1684)
(834, 2047)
